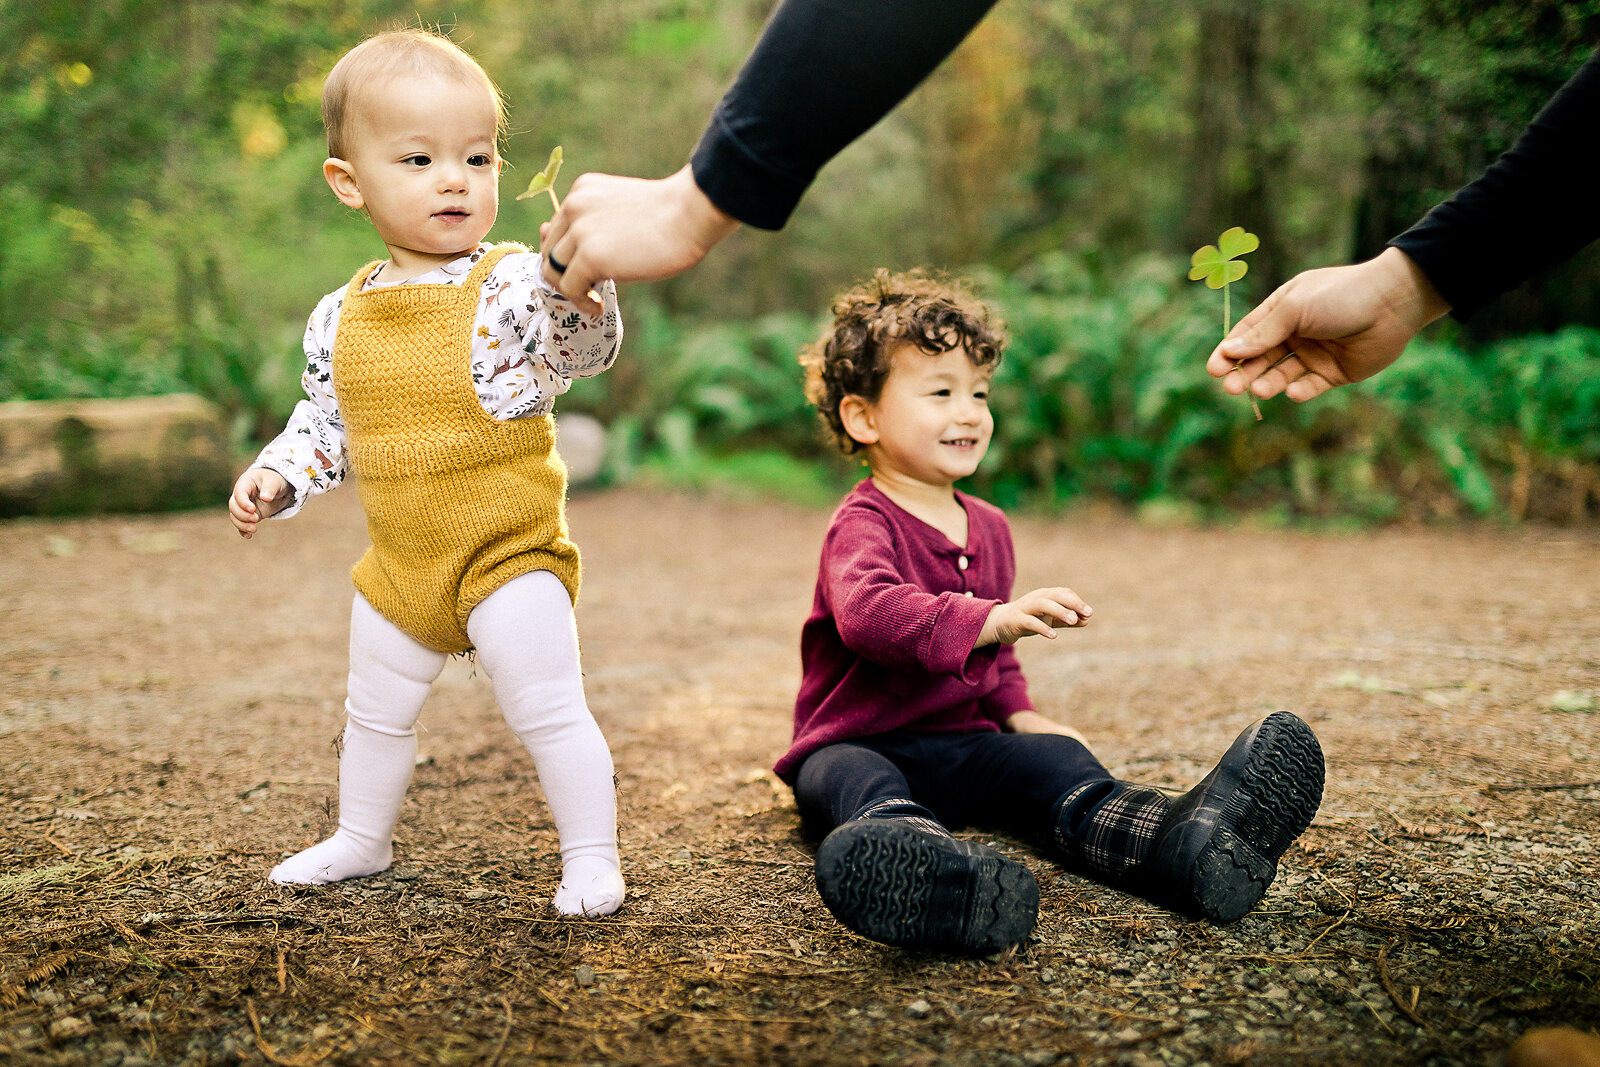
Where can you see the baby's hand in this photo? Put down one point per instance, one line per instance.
(257, 494)
(1038, 612)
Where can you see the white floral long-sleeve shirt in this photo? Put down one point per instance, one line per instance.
(528, 344)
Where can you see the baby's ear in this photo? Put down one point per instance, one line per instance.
(859, 418)
(341, 177)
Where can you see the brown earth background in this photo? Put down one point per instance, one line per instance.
(172, 694)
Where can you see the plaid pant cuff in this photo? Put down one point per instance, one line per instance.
(906, 812)
(1116, 836)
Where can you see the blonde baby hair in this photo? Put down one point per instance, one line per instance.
(392, 54)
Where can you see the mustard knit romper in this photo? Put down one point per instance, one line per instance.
(458, 502)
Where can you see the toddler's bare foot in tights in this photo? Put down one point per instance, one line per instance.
(333, 860)
(590, 886)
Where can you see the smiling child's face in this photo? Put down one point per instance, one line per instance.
(931, 423)
(424, 165)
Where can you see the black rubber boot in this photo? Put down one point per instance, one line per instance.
(901, 881)
(1217, 850)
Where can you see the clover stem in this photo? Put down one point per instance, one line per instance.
(1227, 324)
(552, 191)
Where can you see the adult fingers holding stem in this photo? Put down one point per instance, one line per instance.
(1328, 327)
(559, 273)
(628, 230)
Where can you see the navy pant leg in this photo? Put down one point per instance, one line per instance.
(839, 780)
(1010, 781)
(1006, 781)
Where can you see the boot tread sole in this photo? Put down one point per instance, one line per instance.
(903, 887)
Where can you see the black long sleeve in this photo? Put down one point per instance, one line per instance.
(1535, 205)
(823, 72)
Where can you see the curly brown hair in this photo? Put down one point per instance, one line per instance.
(880, 315)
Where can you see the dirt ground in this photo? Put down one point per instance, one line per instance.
(171, 695)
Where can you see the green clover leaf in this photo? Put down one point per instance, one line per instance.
(545, 180)
(1218, 264)
(1237, 241)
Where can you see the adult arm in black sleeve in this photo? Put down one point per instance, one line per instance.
(1534, 207)
(823, 72)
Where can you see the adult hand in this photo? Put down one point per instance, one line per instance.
(629, 230)
(1328, 327)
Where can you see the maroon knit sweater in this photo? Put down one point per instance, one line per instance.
(888, 645)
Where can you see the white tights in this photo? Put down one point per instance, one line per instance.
(527, 643)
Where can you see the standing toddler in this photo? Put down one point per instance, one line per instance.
(913, 712)
(432, 376)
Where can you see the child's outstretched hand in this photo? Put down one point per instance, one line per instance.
(257, 494)
(1039, 612)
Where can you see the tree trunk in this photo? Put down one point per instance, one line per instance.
(1231, 180)
(1454, 85)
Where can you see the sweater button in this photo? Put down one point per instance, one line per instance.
(962, 562)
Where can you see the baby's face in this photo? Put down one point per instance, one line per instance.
(425, 160)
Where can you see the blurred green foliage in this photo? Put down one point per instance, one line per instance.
(164, 225)
(1100, 397)
(1452, 83)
